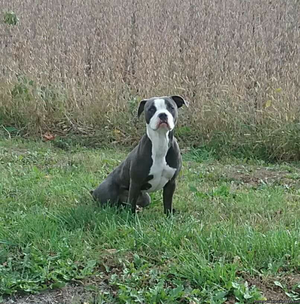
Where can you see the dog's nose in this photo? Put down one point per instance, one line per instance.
(163, 116)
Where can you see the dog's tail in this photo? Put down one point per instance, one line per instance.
(91, 192)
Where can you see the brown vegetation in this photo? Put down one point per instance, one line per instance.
(90, 62)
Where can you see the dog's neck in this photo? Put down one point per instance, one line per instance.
(160, 140)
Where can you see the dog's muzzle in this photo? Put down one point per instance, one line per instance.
(163, 120)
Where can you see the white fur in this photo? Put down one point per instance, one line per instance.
(160, 105)
(160, 170)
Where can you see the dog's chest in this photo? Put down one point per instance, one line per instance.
(161, 173)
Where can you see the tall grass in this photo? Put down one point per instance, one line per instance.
(84, 65)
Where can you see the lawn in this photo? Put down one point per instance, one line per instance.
(234, 239)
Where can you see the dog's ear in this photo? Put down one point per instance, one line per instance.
(179, 101)
(141, 107)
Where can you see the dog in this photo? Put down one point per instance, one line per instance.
(153, 164)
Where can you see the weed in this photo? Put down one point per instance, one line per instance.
(11, 18)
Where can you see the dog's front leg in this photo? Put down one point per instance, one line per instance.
(168, 192)
(134, 191)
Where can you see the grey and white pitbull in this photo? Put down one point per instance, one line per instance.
(153, 164)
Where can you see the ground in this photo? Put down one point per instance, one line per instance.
(234, 239)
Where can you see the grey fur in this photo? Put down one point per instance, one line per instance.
(129, 181)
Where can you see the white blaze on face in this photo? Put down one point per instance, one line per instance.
(161, 108)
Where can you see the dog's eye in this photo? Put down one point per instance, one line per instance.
(152, 109)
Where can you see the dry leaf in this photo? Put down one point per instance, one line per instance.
(268, 103)
(48, 136)
(112, 251)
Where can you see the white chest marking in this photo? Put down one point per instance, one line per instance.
(160, 170)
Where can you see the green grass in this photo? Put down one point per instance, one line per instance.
(237, 222)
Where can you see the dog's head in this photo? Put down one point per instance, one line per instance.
(161, 112)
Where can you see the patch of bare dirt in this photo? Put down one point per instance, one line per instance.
(72, 294)
(262, 176)
(293, 280)
(269, 291)
(268, 288)
(77, 293)
(84, 292)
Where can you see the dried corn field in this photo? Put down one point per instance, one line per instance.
(82, 66)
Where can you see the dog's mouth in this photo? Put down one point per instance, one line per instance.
(163, 124)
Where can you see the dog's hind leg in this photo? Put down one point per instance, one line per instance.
(106, 193)
(143, 200)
